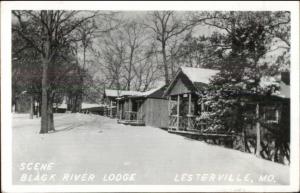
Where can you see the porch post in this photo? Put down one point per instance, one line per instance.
(130, 109)
(190, 103)
(121, 111)
(117, 109)
(138, 106)
(169, 105)
(190, 111)
(258, 146)
(178, 103)
(111, 108)
(202, 107)
(277, 115)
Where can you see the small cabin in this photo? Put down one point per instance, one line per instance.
(110, 100)
(145, 108)
(183, 95)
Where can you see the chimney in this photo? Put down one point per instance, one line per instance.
(285, 77)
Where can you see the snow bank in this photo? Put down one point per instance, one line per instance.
(98, 145)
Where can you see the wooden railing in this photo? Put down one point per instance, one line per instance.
(197, 124)
(173, 121)
(131, 116)
(188, 122)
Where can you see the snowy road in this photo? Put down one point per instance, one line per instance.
(97, 149)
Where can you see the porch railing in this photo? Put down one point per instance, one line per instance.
(186, 123)
(197, 124)
(130, 116)
(173, 121)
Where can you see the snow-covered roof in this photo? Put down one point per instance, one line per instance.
(201, 75)
(284, 91)
(198, 76)
(90, 105)
(62, 106)
(118, 93)
(153, 93)
(284, 88)
(149, 92)
(266, 81)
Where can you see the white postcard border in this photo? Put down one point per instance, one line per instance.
(6, 125)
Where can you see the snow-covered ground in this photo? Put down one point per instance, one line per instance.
(97, 149)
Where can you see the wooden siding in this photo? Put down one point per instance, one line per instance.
(127, 105)
(155, 112)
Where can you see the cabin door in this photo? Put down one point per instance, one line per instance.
(134, 106)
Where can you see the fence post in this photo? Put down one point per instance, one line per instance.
(178, 104)
(169, 105)
(258, 145)
(190, 112)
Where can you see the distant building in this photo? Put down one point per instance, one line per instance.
(145, 108)
(93, 108)
(110, 100)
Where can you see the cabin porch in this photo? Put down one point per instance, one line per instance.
(183, 110)
(130, 111)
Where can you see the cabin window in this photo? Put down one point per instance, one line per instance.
(271, 114)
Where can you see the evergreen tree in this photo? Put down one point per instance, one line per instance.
(239, 74)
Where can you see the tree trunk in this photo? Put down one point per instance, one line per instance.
(75, 104)
(39, 108)
(258, 134)
(44, 107)
(165, 63)
(31, 107)
(129, 70)
(84, 56)
(50, 114)
(233, 35)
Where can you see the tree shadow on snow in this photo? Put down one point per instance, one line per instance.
(68, 128)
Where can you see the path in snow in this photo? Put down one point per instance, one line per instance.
(98, 145)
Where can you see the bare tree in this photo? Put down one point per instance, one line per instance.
(166, 25)
(48, 32)
(134, 35)
(147, 72)
(112, 57)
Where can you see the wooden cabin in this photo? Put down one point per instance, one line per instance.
(182, 94)
(110, 100)
(146, 108)
(268, 136)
